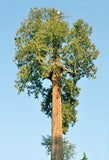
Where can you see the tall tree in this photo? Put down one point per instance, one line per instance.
(47, 48)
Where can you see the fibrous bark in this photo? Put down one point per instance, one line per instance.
(57, 151)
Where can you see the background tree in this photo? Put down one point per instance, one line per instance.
(84, 157)
(68, 148)
(47, 48)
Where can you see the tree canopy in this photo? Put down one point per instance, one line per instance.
(35, 41)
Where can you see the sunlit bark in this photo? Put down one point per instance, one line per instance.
(57, 151)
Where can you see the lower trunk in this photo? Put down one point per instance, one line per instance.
(57, 151)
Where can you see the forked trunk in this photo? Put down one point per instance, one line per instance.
(57, 151)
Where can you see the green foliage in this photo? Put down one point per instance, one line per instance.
(70, 93)
(34, 58)
(84, 157)
(79, 53)
(68, 148)
(47, 143)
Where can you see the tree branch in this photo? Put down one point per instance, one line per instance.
(69, 71)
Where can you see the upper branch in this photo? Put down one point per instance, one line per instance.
(69, 71)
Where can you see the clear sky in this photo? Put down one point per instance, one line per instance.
(22, 124)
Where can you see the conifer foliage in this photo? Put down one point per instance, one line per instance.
(84, 157)
(47, 48)
(68, 148)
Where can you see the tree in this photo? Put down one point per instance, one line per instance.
(47, 48)
(68, 148)
(84, 157)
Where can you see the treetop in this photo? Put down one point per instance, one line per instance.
(41, 34)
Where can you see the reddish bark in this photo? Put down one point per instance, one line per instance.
(57, 151)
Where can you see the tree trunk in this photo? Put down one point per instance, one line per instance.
(57, 151)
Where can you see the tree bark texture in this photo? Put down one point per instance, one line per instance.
(57, 150)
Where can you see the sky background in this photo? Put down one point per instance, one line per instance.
(22, 124)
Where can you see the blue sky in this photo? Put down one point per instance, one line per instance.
(22, 124)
